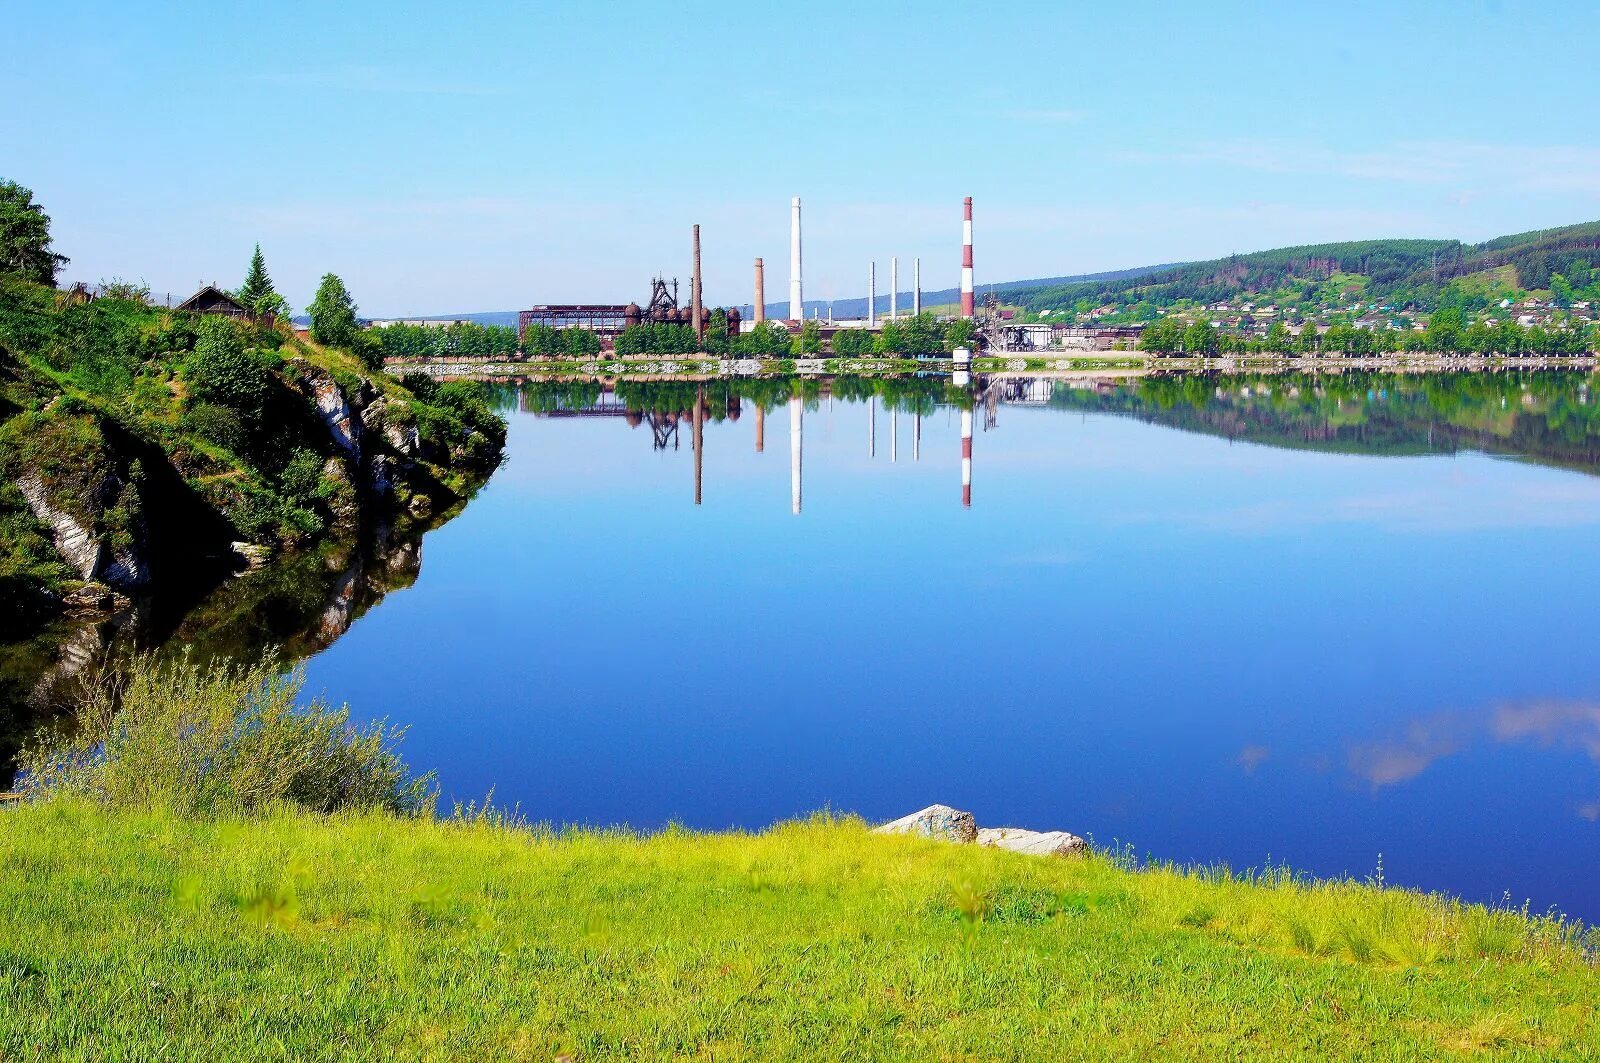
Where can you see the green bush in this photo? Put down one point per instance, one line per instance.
(221, 371)
(220, 738)
(216, 424)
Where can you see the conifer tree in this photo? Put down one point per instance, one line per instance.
(257, 284)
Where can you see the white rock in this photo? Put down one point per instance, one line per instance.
(1034, 842)
(936, 821)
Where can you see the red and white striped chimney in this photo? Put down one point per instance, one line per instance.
(966, 261)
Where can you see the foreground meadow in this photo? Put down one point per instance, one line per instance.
(127, 935)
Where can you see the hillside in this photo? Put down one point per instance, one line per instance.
(1417, 274)
(142, 447)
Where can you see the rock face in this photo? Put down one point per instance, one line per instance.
(936, 821)
(92, 555)
(328, 399)
(1034, 842)
(952, 825)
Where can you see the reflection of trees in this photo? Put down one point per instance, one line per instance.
(297, 606)
(1546, 416)
(725, 399)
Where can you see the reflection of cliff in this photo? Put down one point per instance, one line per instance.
(297, 607)
(1542, 417)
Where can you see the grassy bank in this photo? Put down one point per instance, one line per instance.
(142, 935)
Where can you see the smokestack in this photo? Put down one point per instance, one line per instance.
(966, 458)
(872, 294)
(699, 436)
(797, 415)
(966, 260)
(797, 303)
(916, 286)
(894, 287)
(761, 292)
(694, 293)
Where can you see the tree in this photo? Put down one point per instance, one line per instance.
(852, 343)
(809, 342)
(257, 284)
(1200, 338)
(222, 372)
(960, 333)
(1162, 337)
(333, 313)
(25, 236)
(1278, 337)
(1308, 337)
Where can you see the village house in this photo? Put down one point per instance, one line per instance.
(213, 300)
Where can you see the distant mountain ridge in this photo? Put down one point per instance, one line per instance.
(1400, 271)
(842, 308)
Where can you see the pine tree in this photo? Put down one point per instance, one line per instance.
(257, 284)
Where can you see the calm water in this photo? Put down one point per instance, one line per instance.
(1357, 638)
(1239, 620)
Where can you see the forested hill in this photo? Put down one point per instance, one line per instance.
(1417, 273)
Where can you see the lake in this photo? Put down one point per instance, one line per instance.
(1334, 623)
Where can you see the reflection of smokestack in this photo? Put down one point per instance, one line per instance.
(894, 287)
(966, 458)
(699, 436)
(894, 434)
(916, 286)
(872, 427)
(916, 438)
(872, 294)
(696, 319)
(797, 304)
(966, 260)
(761, 428)
(761, 292)
(796, 428)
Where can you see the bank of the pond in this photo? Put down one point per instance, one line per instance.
(149, 936)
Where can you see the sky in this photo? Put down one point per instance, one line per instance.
(490, 156)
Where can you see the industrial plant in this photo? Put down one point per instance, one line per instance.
(663, 306)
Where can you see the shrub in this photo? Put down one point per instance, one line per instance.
(217, 739)
(216, 424)
(221, 371)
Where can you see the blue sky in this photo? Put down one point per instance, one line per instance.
(489, 156)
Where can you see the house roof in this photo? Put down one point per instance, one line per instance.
(210, 297)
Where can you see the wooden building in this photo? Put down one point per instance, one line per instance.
(213, 300)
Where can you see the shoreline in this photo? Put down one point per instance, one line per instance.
(1130, 364)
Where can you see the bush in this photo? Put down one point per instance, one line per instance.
(218, 739)
(221, 371)
(216, 424)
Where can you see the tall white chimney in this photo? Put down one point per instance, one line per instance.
(797, 301)
(916, 286)
(797, 413)
(894, 288)
(872, 294)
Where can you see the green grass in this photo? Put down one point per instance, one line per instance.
(133, 935)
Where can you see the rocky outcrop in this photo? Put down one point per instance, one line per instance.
(944, 823)
(936, 821)
(331, 404)
(1033, 842)
(95, 557)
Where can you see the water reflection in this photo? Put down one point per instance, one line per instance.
(297, 606)
(1221, 617)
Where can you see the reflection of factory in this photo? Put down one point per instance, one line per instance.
(668, 415)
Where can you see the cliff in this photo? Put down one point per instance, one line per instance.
(142, 447)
